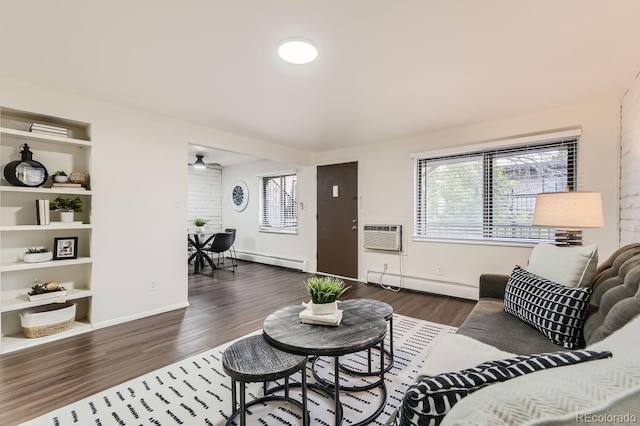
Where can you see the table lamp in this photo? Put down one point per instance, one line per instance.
(568, 212)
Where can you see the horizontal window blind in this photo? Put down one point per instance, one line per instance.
(279, 207)
(490, 194)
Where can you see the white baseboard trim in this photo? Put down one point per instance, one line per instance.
(301, 265)
(445, 288)
(140, 315)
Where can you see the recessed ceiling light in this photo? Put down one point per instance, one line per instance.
(297, 51)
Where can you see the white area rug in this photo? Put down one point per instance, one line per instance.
(196, 391)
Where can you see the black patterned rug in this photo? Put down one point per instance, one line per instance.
(196, 391)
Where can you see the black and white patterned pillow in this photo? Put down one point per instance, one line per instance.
(428, 401)
(555, 310)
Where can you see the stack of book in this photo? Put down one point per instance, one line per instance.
(309, 317)
(49, 129)
(42, 212)
(60, 295)
(67, 185)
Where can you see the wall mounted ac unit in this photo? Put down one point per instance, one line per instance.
(383, 237)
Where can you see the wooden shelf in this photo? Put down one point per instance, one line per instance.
(14, 342)
(39, 190)
(18, 231)
(17, 299)
(27, 136)
(53, 226)
(22, 266)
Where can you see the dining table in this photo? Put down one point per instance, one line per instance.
(199, 243)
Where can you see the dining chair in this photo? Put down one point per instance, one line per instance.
(190, 251)
(221, 243)
(232, 250)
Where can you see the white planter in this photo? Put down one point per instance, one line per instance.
(324, 308)
(61, 179)
(37, 257)
(199, 229)
(66, 216)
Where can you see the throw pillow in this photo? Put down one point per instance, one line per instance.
(555, 310)
(571, 266)
(429, 400)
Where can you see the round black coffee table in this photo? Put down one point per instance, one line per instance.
(385, 311)
(360, 329)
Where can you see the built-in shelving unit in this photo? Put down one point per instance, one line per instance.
(19, 229)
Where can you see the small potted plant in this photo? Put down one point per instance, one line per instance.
(39, 254)
(324, 292)
(66, 207)
(199, 224)
(60, 177)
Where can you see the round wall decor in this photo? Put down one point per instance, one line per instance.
(239, 195)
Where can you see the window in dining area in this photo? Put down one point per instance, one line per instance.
(278, 203)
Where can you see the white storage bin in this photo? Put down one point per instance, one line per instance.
(48, 319)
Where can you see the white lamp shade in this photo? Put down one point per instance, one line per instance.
(569, 210)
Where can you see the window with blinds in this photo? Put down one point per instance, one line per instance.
(490, 194)
(278, 203)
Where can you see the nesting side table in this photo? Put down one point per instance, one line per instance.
(252, 359)
(360, 329)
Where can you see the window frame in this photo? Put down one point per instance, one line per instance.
(263, 225)
(488, 152)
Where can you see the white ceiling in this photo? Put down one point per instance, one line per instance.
(386, 69)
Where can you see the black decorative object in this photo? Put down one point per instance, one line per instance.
(27, 171)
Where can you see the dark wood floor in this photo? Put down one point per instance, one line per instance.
(40, 379)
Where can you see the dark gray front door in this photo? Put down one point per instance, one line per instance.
(338, 219)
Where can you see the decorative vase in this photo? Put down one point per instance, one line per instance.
(26, 171)
(66, 216)
(324, 308)
(199, 229)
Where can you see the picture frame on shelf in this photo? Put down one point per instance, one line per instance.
(65, 248)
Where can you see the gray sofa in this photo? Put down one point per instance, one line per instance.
(614, 302)
(559, 394)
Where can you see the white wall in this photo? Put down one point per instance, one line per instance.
(140, 203)
(630, 166)
(139, 181)
(386, 190)
(204, 198)
(295, 251)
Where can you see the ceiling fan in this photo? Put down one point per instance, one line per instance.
(200, 164)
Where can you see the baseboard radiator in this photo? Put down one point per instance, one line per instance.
(299, 264)
(428, 285)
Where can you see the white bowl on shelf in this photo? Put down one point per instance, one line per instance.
(37, 257)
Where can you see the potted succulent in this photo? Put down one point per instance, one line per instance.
(40, 254)
(60, 177)
(324, 292)
(199, 224)
(66, 207)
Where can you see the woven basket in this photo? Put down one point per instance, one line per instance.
(49, 319)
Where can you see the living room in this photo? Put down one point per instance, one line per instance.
(139, 158)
